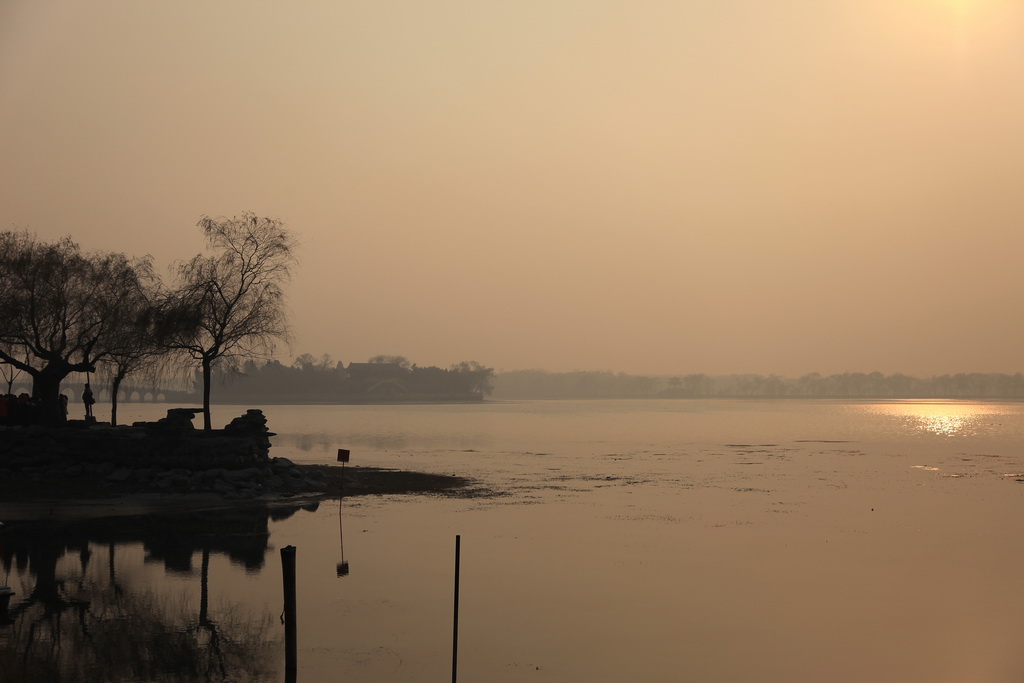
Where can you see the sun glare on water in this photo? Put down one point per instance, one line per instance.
(940, 418)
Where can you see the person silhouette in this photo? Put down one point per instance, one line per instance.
(88, 400)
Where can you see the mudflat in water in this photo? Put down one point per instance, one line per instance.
(628, 540)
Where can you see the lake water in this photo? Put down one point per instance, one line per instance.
(771, 541)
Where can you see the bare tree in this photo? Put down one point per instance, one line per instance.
(147, 343)
(8, 371)
(147, 349)
(62, 311)
(235, 295)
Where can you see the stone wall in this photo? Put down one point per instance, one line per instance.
(169, 455)
(170, 442)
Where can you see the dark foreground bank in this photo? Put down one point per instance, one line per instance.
(168, 464)
(281, 480)
(95, 496)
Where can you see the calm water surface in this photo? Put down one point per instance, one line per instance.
(630, 541)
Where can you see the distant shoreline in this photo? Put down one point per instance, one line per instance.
(344, 403)
(510, 399)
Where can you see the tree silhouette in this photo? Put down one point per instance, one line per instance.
(62, 311)
(235, 295)
(146, 340)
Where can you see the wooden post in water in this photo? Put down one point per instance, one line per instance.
(343, 457)
(343, 565)
(290, 638)
(455, 634)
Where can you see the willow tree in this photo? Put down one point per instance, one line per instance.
(146, 345)
(234, 294)
(64, 311)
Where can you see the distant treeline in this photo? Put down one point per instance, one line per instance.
(393, 379)
(522, 384)
(382, 379)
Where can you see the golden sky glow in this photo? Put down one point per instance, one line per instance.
(664, 186)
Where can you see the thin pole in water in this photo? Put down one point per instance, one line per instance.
(455, 634)
(290, 637)
(343, 565)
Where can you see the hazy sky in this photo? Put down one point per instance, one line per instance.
(661, 186)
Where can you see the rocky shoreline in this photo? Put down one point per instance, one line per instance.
(169, 462)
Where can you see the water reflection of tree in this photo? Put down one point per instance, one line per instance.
(134, 636)
(70, 623)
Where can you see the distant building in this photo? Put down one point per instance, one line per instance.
(378, 380)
